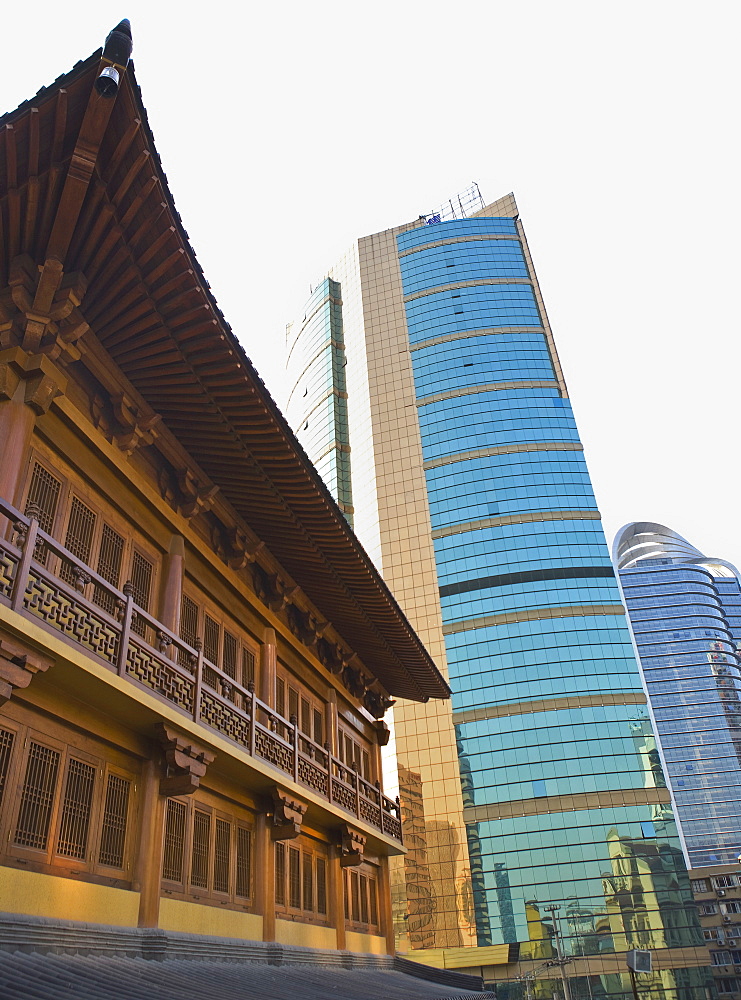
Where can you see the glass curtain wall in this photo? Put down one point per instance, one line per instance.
(564, 794)
(686, 622)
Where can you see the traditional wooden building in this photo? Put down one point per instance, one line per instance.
(195, 652)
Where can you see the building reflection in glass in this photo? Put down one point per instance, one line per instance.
(420, 915)
(434, 905)
(643, 901)
(478, 882)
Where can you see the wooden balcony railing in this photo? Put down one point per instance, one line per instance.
(42, 579)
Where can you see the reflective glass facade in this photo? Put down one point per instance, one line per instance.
(685, 614)
(484, 524)
(317, 362)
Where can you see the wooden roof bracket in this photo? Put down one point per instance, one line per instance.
(18, 667)
(186, 761)
(352, 846)
(288, 815)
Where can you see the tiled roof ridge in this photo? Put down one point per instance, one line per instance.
(90, 952)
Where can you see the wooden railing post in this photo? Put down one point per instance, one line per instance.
(123, 642)
(253, 714)
(357, 794)
(27, 550)
(294, 724)
(199, 681)
(268, 668)
(330, 771)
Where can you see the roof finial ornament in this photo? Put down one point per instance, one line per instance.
(117, 51)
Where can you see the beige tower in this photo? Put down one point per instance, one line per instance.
(357, 346)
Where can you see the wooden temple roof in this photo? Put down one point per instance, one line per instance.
(81, 183)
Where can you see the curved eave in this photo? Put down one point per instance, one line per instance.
(152, 309)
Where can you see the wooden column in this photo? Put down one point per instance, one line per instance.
(268, 668)
(265, 876)
(171, 590)
(28, 384)
(333, 737)
(336, 896)
(385, 914)
(16, 427)
(377, 763)
(148, 860)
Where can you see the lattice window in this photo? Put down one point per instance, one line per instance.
(141, 579)
(76, 808)
(280, 696)
(222, 855)
(7, 741)
(301, 879)
(174, 847)
(305, 716)
(188, 620)
(244, 863)
(360, 897)
(79, 537)
(142, 571)
(63, 811)
(350, 747)
(292, 704)
(201, 849)
(321, 886)
(211, 635)
(44, 492)
(318, 727)
(37, 797)
(115, 812)
(231, 650)
(308, 881)
(355, 895)
(294, 878)
(354, 755)
(248, 667)
(373, 900)
(201, 842)
(280, 874)
(188, 627)
(211, 643)
(110, 561)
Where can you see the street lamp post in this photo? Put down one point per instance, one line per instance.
(561, 960)
(638, 961)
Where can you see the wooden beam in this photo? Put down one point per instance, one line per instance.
(79, 173)
(14, 205)
(122, 147)
(60, 127)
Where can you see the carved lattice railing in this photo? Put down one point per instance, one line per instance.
(108, 625)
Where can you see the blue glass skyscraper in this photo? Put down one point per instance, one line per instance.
(471, 492)
(685, 610)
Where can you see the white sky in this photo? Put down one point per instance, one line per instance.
(287, 130)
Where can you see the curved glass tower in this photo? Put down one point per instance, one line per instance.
(471, 492)
(685, 611)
